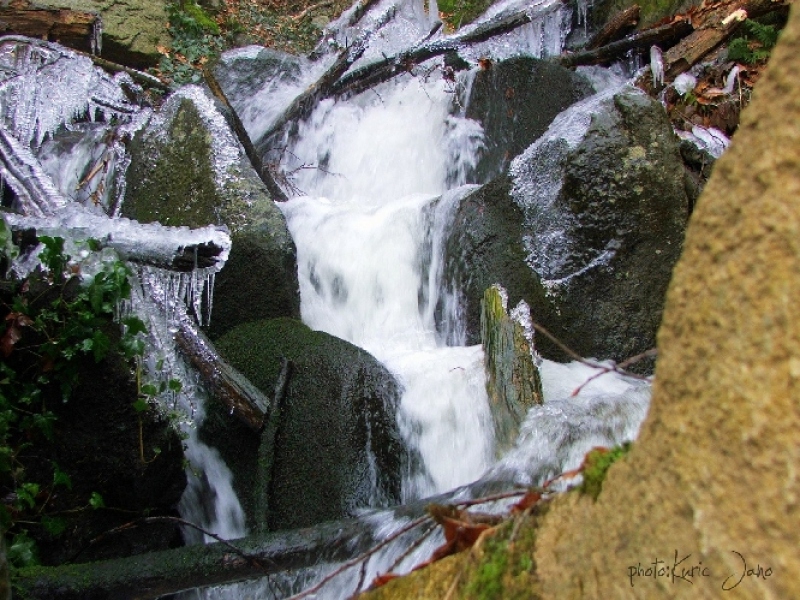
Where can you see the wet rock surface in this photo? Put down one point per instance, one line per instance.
(337, 435)
(594, 255)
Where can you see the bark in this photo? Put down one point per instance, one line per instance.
(618, 26)
(241, 133)
(223, 382)
(174, 248)
(664, 34)
(149, 576)
(76, 29)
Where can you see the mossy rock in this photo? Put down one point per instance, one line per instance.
(132, 29)
(172, 179)
(337, 447)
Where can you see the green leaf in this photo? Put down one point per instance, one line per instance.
(22, 551)
(148, 389)
(175, 385)
(134, 325)
(140, 406)
(54, 525)
(96, 501)
(101, 343)
(27, 493)
(94, 245)
(61, 478)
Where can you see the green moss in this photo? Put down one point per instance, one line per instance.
(487, 581)
(458, 13)
(597, 465)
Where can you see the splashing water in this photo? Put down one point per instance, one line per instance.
(370, 258)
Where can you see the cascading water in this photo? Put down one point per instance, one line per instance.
(378, 206)
(380, 176)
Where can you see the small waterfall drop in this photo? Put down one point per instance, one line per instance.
(370, 250)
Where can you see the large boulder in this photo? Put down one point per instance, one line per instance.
(515, 101)
(712, 478)
(188, 169)
(586, 229)
(337, 447)
(132, 29)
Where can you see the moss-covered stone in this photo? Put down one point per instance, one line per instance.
(132, 29)
(596, 465)
(337, 446)
(512, 378)
(172, 180)
(500, 566)
(515, 101)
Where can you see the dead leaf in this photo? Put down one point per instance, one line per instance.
(381, 580)
(527, 501)
(13, 331)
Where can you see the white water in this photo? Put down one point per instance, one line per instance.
(382, 173)
(369, 244)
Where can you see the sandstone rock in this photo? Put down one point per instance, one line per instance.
(712, 475)
(132, 29)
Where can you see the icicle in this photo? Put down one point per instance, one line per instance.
(730, 82)
(657, 66)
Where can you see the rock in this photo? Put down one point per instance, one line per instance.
(512, 377)
(586, 230)
(132, 29)
(188, 169)
(516, 100)
(258, 83)
(337, 448)
(711, 475)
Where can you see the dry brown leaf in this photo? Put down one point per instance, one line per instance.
(13, 331)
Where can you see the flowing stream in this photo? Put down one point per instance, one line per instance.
(377, 179)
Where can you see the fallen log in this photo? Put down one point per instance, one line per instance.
(620, 25)
(302, 106)
(244, 139)
(174, 248)
(72, 28)
(21, 171)
(224, 383)
(266, 446)
(391, 66)
(348, 19)
(713, 25)
(665, 34)
(149, 576)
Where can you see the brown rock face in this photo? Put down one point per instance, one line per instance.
(713, 483)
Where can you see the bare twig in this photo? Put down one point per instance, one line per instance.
(315, 588)
(301, 15)
(173, 520)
